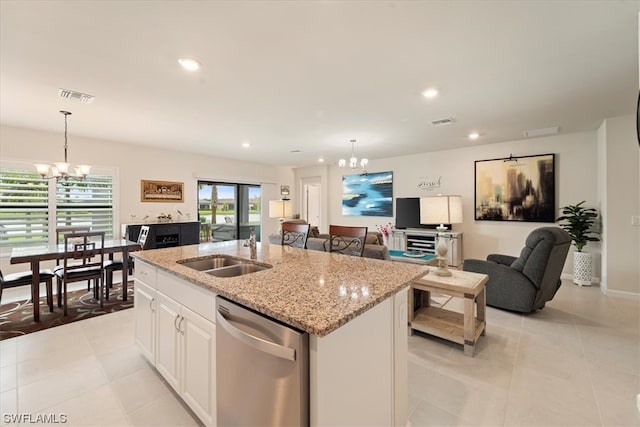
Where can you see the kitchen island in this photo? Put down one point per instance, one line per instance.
(354, 309)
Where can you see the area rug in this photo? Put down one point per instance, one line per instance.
(16, 318)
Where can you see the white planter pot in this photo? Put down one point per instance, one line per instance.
(582, 268)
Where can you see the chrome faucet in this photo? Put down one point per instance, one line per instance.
(251, 243)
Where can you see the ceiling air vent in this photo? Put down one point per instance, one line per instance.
(85, 98)
(443, 122)
(541, 132)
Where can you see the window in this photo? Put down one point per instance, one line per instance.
(24, 207)
(229, 210)
(32, 207)
(87, 202)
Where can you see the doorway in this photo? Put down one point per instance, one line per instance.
(311, 200)
(229, 210)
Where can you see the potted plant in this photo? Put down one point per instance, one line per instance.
(578, 222)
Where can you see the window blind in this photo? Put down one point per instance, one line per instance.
(87, 202)
(24, 209)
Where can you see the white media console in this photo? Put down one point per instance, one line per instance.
(425, 240)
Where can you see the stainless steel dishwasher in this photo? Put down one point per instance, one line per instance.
(262, 369)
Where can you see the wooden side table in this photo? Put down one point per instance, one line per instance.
(460, 328)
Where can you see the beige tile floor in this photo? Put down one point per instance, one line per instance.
(575, 363)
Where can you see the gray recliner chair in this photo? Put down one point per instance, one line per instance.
(526, 283)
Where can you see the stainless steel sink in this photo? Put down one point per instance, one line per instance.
(223, 266)
(237, 270)
(205, 264)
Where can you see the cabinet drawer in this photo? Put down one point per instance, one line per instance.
(145, 273)
(166, 229)
(197, 298)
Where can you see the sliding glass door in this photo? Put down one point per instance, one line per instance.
(229, 210)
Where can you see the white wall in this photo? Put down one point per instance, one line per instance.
(621, 173)
(137, 162)
(576, 180)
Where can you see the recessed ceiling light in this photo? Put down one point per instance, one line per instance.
(246, 145)
(474, 135)
(189, 64)
(321, 160)
(430, 93)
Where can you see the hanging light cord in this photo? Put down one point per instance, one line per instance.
(66, 113)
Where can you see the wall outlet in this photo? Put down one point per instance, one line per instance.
(635, 220)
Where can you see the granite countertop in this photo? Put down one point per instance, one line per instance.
(311, 290)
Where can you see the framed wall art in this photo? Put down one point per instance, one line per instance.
(369, 194)
(161, 191)
(516, 189)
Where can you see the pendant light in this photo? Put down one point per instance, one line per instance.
(61, 170)
(353, 161)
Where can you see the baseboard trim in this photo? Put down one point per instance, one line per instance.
(621, 294)
(607, 292)
(595, 280)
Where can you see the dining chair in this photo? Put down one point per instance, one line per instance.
(25, 278)
(60, 233)
(62, 230)
(295, 235)
(347, 240)
(83, 260)
(111, 266)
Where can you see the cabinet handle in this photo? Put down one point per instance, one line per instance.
(174, 322)
(257, 343)
(180, 325)
(151, 305)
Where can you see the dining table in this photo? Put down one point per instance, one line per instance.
(34, 255)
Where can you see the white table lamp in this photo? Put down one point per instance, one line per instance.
(280, 209)
(441, 210)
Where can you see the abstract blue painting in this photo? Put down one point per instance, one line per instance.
(369, 194)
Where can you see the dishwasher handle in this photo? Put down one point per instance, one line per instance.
(255, 342)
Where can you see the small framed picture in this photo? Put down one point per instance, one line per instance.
(284, 190)
(161, 191)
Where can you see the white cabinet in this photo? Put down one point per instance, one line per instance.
(178, 341)
(198, 365)
(145, 319)
(168, 338)
(144, 309)
(358, 373)
(186, 356)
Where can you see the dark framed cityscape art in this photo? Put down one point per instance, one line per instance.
(369, 194)
(516, 189)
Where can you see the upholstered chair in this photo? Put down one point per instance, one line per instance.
(525, 283)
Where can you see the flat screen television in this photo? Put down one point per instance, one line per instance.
(408, 214)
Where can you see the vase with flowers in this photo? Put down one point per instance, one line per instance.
(385, 230)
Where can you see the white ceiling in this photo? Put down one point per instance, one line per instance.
(310, 76)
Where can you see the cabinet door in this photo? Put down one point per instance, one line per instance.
(167, 343)
(144, 314)
(133, 230)
(198, 366)
(190, 233)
